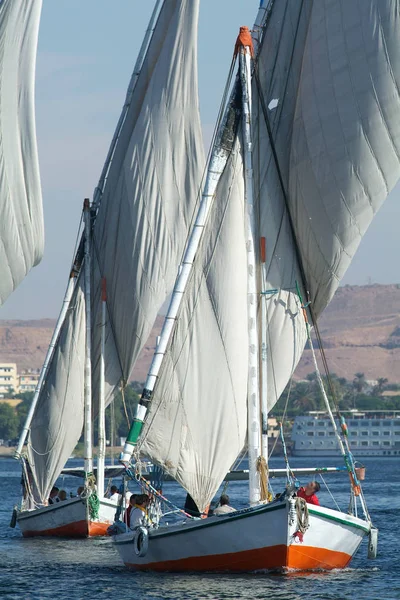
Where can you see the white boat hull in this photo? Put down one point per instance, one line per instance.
(251, 540)
(70, 518)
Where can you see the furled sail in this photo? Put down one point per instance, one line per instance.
(57, 424)
(150, 193)
(329, 79)
(21, 214)
(197, 420)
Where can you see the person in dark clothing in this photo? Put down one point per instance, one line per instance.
(191, 507)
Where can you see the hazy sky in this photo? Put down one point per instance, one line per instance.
(86, 54)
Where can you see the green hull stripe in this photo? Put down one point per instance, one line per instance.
(342, 520)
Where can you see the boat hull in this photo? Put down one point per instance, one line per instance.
(261, 538)
(70, 518)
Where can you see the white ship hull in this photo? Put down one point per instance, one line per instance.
(70, 518)
(334, 453)
(249, 540)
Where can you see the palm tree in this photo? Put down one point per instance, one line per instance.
(359, 382)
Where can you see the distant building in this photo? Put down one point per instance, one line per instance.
(8, 379)
(27, 381)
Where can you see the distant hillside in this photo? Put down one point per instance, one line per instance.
(360, 330)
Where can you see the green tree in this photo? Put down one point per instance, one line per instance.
(359, 382)
(8, 422)
(23, 407)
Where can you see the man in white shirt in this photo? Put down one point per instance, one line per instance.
(114, 494)
(223, 507)
(138, 512)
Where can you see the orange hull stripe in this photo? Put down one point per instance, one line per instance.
(78, 529)
(307, 557)
(275, 557)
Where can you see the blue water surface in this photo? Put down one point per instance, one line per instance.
(40, 568)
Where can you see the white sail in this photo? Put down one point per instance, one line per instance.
(21, 214)
(150, 193)
(197, 419)
(57, 424)
(138, 235)
(333, 69)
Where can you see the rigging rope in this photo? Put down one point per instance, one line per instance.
(303, 519)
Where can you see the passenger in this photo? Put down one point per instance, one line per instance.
(62, 495)
(138, 511)
(308, 492)
(223, 508)
(191, 507)
(53, 497)
(114, 494)
(129, 508)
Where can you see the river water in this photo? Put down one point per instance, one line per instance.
(35, 569)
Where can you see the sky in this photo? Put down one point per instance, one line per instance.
(86, 54)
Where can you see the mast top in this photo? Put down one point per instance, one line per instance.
(244, 39)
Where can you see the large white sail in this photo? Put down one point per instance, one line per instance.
(58, 420)
(138, 235)
(150, 193)
(21, 214)
(334, 70)
(197, 420)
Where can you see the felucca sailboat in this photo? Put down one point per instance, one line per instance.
(307, 151)
(134, 235)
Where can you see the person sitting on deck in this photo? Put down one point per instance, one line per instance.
(129, 508)
(308, 492)
(191, 507)
(114, 494)
(62, 495)
(137, 514)
(223, 508)
(53, 497)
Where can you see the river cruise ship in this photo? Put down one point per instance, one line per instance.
(371, 433)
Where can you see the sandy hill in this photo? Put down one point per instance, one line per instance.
(360, 329)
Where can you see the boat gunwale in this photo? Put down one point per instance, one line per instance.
(234, 516)
(26, 514)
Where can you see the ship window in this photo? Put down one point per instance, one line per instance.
(302, 443)
(397, 423)
(364, 443)
(320, 433)
(386, 443)
(386, 433)
(375, 423)
(366, 423)
(397, 444)
(321, 424)
(310, 424)
(354, 444)
(310, 443)
(364, 433)
(397, 433)
(310, 433)
(375, 433)
(331, 433)
(332, 442)
(375, 443)
(354, 433)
